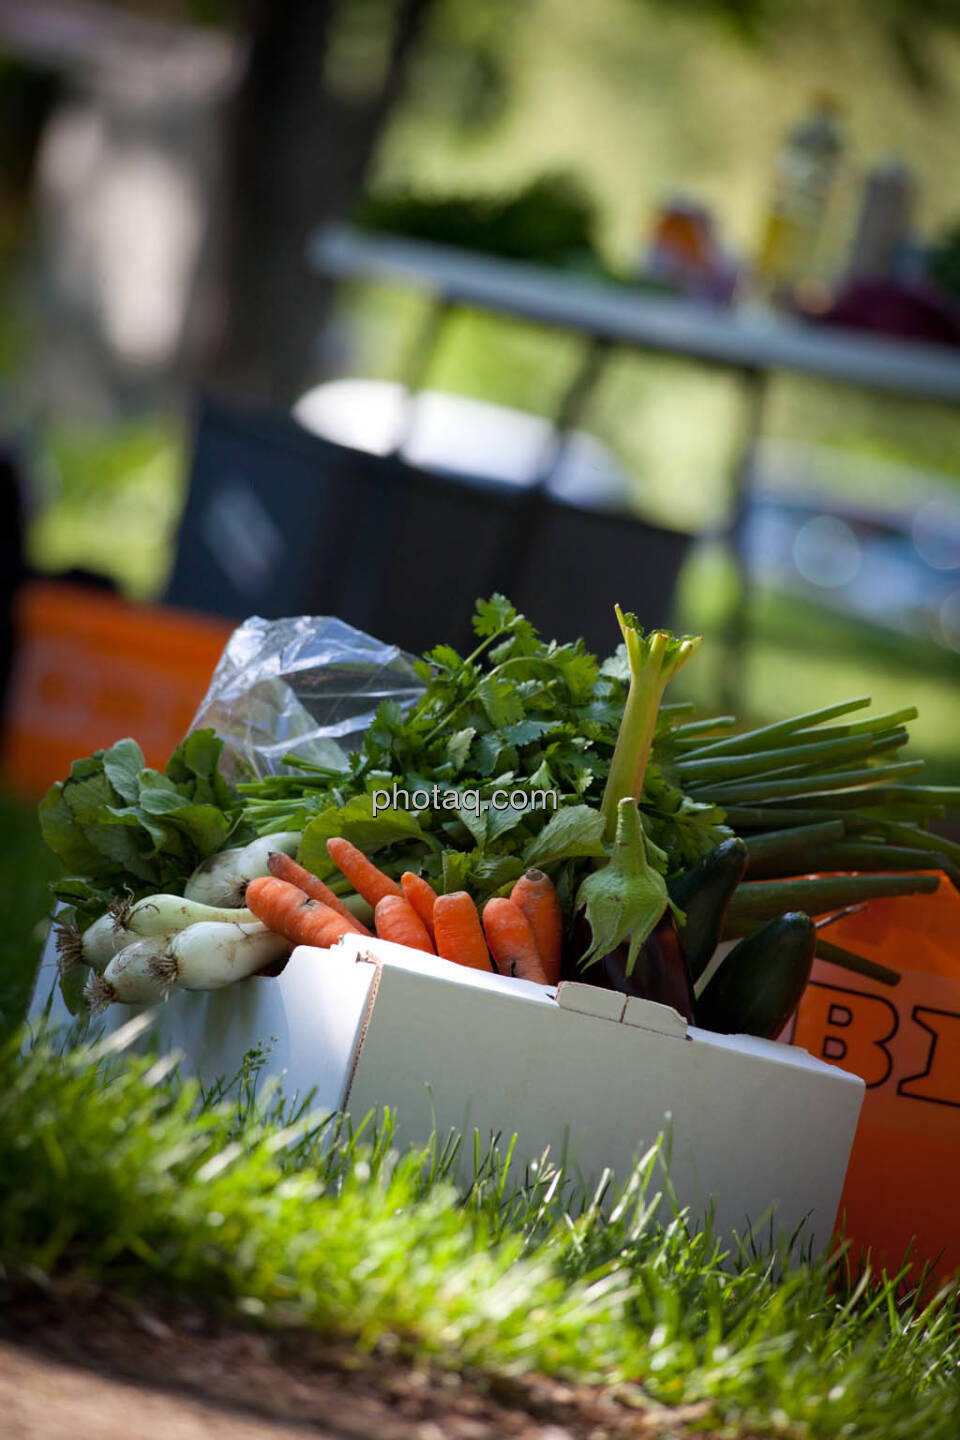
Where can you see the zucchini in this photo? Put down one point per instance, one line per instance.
(826, 950)
(703, 894)
(757, 986)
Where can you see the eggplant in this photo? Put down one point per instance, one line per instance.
(660, 973)
(757, 986)
(703, 894)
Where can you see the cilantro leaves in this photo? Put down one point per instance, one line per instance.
(517, 714)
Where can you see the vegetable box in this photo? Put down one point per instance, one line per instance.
(590, 1073)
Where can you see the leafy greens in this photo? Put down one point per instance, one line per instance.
(517, 714)
(122, 828)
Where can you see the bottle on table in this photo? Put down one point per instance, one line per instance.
(791, 265)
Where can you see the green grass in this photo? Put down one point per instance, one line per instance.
(113, 1171)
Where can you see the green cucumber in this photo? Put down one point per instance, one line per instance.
(757, 986)
(826, 950)
(703, 893)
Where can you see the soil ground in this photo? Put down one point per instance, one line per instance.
(97, 1367)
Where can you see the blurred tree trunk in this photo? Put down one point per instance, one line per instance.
(301, 149)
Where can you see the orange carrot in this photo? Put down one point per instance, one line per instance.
(511, 941)
(536, 896)
(284, 909)
(458, 931)
(421, 895)
(363, 875)
(396, 920)
(286, 869)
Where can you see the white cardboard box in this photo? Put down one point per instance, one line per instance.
(588, 1073)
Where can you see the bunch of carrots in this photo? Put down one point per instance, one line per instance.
(519, 935)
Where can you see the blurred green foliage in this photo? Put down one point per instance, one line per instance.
(26, 870)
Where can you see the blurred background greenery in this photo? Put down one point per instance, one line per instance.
(635, 100)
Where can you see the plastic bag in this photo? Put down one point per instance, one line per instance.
(308, 683)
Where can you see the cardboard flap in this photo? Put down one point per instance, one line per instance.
(590, 1000)
(650, 1015)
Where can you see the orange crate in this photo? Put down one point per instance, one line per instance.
(904, 1041)
(91, 668)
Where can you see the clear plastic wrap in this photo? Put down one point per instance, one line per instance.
(309, 683)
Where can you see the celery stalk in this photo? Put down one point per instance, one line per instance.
(654, 659)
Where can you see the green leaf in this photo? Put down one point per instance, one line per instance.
(617, 665)
(444, 657)
(528, 730)
(500, 700)
(492, 753)
(578, 668)
(205, 826)
(456, 870)
(85, 798)
(198, 755)
(122, 764)
(356, 822)
(66, 837)
(575, 830)
(71, 988)
(134, 819)
(88, 765)
(501, 822)
(492, 616)
(458, 746)
(477, 822)
(158, 795)
(625, 898)
(495, 872)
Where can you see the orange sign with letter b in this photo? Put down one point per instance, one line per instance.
(904, 1041)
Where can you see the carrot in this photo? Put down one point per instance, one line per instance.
(363, 875)
(285, 910)
(511, 941)
(421, 895)
(536, 896)
(286, 869)
(396, 920)
(458, 931)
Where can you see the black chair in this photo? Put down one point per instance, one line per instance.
(281, 522)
